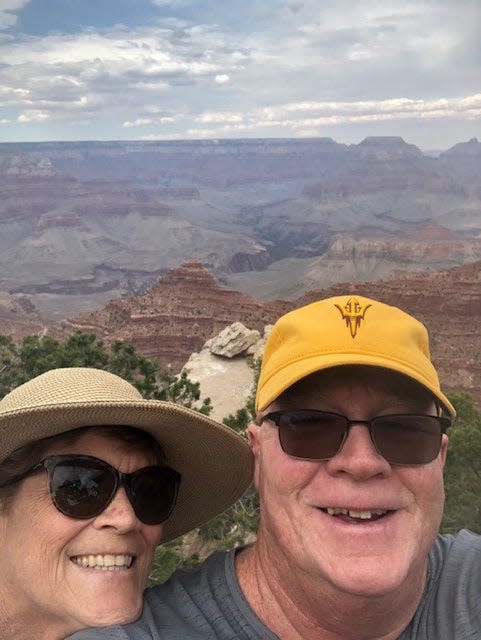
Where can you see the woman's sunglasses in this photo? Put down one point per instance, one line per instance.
(83, 486)
(405, 439)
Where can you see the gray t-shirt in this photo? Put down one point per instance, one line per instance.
(208, 603)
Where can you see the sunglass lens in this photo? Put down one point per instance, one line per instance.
(81, 489)
(153, 492)
(408, 440)
(311, 434)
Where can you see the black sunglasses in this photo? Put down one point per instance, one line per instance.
(404, 439)
(83, 486)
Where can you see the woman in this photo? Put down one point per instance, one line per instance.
(92, 478)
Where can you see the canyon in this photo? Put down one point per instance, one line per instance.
(164, 244)
(83, 223)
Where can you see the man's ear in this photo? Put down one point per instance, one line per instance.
(253, 437)
(444, 449)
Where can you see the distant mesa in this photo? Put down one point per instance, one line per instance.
(387, 147)
(472, 148)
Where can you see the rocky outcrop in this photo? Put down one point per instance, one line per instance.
(243, 261)
(233, 340)
(176, 316)
(18, 317)
(227, 381)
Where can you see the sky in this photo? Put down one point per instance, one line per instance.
(207, 69)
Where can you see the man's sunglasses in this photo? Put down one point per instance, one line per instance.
(83, 486)
(405, 439)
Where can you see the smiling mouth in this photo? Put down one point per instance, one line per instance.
(354, 516)
(105, 562)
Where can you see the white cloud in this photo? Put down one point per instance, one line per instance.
(140, 122)
(33, 116)
(292, 118)
(222, 78)
(379, 108)
(7, 12)
(219, 117)
(95, 71)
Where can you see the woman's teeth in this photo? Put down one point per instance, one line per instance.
(107, 562)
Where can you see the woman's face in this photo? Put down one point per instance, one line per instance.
(42, 577)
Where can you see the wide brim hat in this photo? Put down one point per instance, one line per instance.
(215, 462)
(341, 331)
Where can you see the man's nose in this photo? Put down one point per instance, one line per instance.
(358, 455)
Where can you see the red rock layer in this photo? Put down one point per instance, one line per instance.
(175, 317)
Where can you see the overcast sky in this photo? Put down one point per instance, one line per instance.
(188, 69)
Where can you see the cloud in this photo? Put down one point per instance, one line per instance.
(140, 122)
(302, 118)
(93, 71)
(219, 117)
(295, 5)
(33, 116)
(307, 66)
(7, 12)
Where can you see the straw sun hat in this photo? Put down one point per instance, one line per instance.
(215, 462)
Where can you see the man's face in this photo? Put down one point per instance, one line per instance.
(401, 506)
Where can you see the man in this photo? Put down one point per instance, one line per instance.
(349, 449)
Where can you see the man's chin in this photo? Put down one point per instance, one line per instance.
(372, 577)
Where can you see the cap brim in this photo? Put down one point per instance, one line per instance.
(295, 371)
(214, 461)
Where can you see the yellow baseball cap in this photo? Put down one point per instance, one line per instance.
(345, 330)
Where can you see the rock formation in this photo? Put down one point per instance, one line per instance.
(175, 317)
(233, 340)
(18, 317)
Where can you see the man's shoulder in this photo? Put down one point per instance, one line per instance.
(455, 566)
(205, 602)
(460, 543)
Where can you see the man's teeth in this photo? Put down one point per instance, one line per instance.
(363, 515)
(107, 562)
